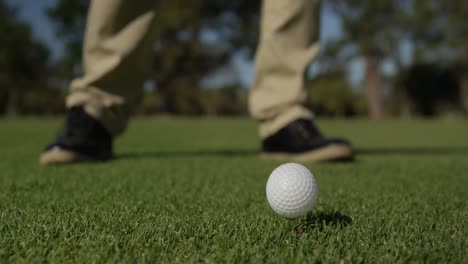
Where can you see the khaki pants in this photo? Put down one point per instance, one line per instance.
(116, 60)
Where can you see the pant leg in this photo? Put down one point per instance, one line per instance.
(116, 59)
(288, 43)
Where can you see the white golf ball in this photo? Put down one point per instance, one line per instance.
(291, 190)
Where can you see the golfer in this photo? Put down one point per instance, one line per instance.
(116, 57)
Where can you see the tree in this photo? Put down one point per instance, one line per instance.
(331, 95)
(457, 37)
(372, 30)
(69, 20)
(440, 35)
(23, 60)
(429, 86)
(183, 56)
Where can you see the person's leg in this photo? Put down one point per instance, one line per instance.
(289, 40)
(288, 43)
(116, 58)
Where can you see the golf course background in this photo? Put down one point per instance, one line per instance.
(386, 58)
(193, 190)
(187, 190)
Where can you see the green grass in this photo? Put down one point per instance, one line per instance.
(194, 191)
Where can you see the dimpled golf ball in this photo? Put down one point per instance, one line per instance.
(291, 190)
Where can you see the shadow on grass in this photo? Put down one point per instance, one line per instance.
(412, 150)
(320, 220)
(204, 153)
(188, 153)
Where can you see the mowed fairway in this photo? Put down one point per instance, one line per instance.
(193, 190)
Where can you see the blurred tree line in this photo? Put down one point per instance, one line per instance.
(413, 55)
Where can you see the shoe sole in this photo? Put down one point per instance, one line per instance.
(62, 156)
(329, 153)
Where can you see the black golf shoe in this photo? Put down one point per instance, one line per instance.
(302, 141)
(82, 139)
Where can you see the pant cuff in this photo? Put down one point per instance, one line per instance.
(270, 127)
(113, 116)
